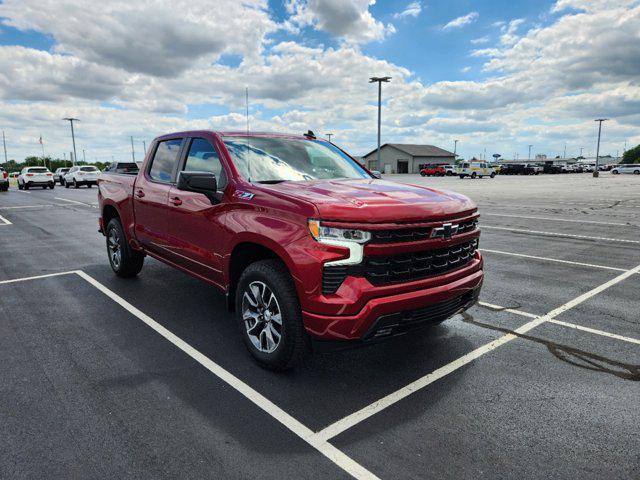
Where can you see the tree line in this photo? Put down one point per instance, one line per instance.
(51, 163)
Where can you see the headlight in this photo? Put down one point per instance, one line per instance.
(330, 234)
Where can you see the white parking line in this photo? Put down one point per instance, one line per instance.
(353, 419)
(4, 221)
(557, 260)
(76, 201)
(332, 453)
(36, 277)
(575, 326)
(558, 234)
(556, 219)
(21, 207)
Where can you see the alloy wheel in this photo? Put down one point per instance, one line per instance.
(262, 317)
(115, 251)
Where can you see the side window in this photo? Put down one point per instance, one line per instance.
(202, 157)
(164, 160)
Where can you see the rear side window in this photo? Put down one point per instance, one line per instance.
(165, 160)
(203, 157)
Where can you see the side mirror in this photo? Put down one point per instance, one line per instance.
(199, 182)
(376, 174)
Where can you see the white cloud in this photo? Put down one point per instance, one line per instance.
(465, 69)
(462, 21)
(508, 36)
(477, 41)
(411, 10)
(349, 20)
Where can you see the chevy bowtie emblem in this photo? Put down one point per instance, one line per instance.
(445, 231)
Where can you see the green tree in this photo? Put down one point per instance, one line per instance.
(632, 155)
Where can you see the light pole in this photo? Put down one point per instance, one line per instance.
(84, 156)
(133, 153)
(379, 80)
(581, 149)
(529, 157)
(564, 155)
(73, 137)
(599, 120)
(455, 148)
(144, 145)
(4, 144)
(329, 135)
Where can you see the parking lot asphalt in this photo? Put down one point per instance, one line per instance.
(104, 377)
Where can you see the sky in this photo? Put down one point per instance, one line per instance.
(495, 75)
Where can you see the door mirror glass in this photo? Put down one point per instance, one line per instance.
(376, 174)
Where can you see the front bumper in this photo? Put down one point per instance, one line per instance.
(399, 313)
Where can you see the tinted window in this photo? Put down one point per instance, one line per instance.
(202, 157)
(88, 169)
(165, 159)
(38, 170)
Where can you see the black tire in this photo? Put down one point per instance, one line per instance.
(615, 172)
(461, 177)
(293, 340)
(89, 185)
(20, 186)
(422, 174)
(66, 184)
(131, 261)
(26, 186)
(493, 174)
(75, 184)
(636, 172)
(52, 186)
(473, 175)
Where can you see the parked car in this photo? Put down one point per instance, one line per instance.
(449, 170)
(81, 175)
(433, 171)
(58, 175)
(552, 168)
(4, 180)
(533, 169)
(290, 229)
(475, 169)
(633, 168)
(589, 167)
(131, 168)
(35, 177)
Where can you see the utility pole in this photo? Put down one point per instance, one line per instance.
(6, 161)
(73, 137)
(455, 149)
(581, 149)
(529, 157)
(564, 155)
(133, 153)
(379, 80)
(599, 120)
(144, 145)
(44, 161)
(329, 135)
(84, 156)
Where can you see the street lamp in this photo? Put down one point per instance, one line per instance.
(73, 137)
(529, 158)
(455, 149)
(379, 80)
(599, 120)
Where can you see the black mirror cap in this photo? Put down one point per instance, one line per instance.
(376, 174)
(199, 182)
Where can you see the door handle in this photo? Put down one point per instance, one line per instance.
(175, 201)
(139, 193)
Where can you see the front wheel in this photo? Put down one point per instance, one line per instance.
(269, 315)
(461, 177)
(492, 175)
(75, 184)
(20, 186)
(125, 262)
(422, 174)
(473, 175)
(636, 172)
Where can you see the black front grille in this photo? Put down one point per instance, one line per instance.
(402, 322)
(400, 235)
(406, 267)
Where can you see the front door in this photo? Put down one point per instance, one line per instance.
(151, 193)
(403, 166)
(195, 224)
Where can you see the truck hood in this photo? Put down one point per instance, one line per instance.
(375, 200)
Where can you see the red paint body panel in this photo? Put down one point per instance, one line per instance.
(187, 231)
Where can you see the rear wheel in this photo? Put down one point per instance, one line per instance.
(20, 186)
(75, 184)
(493, 174)
(125, 262)
(269, 315)
(636, 172)
(422, 174)
(473, 175)
(26, 186)
(461, 177)
(52, 185)
(66, 184)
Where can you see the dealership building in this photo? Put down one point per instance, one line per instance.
(406, 157)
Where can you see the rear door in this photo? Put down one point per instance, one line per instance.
(151, 193)
(195, 224)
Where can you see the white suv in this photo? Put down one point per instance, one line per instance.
(628, 168)
(58, 175)
(84, 175)
(35, 177)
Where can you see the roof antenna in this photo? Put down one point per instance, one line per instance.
(246, 101)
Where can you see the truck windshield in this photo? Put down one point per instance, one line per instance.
(272, 160)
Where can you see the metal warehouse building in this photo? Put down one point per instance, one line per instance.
(406, 157)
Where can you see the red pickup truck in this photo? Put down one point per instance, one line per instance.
(304, 242)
